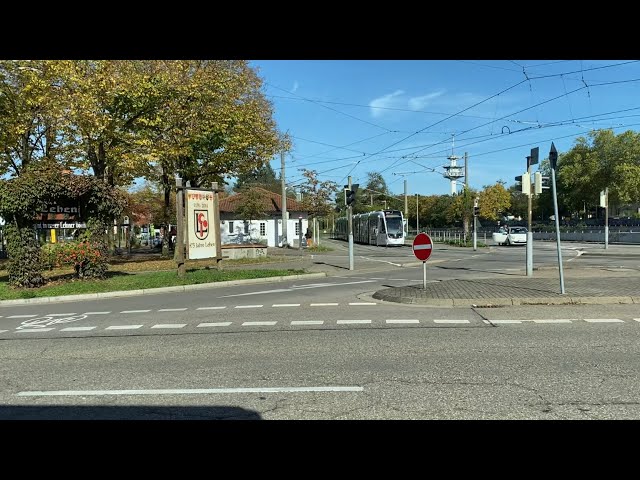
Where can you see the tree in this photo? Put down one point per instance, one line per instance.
(251, 206)
(263, 176)
(316, 194)
(494, 201)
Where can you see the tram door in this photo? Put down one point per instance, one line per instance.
(382, 232)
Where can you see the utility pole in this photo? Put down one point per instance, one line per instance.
(350, 215)
(284, 202)
(406, 203)
(606, 218)
(553, 161)
(417, 213)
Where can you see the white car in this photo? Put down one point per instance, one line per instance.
(510, 236)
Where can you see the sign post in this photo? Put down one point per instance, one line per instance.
(422, 247)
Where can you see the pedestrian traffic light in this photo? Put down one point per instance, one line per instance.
(351, 195)
(525, 183)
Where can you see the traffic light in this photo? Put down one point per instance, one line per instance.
(537, 181)
(476, 211)
(525, 183)
(351, 195)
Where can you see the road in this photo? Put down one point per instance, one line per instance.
(324, 349)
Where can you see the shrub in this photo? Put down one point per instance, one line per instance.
(87, 259)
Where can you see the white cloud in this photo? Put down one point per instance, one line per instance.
(418, 103)
(386, 101)
(295, 86)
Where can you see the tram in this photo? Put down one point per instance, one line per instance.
(380, 228)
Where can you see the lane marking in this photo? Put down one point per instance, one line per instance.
(33, 330)
(362, 303)
(323, 304)
(77, 329)
(172, 309)
(210, 308)
(168, 325)
(554, 320)
(249, 324)
(403, 321)
(215, 324)
(353, 321)
(248, 306)
(296, 287)
(59, 314)
(21, 316)
(451, 321)
(285, 305)
(96, 313)
(637, 319)
(603, 320)
(307, 322)
(123, 327)
(135, 311)
(2, 331)
(505, 321)
(185, 391)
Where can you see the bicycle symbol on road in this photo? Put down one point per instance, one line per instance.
(47, 321)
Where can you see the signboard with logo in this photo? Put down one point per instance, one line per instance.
(200, 224)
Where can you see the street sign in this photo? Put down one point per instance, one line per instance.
(422, 246)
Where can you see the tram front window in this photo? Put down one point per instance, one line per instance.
(394, 225)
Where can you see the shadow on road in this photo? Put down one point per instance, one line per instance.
(476, 270)
(101, 412)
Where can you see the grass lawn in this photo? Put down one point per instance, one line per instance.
(145, 271)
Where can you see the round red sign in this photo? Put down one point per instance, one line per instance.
(422, 246)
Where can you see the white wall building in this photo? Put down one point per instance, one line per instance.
(268, 230)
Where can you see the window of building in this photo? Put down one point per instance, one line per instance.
(230, 227)
(263, 229)
(246, 228)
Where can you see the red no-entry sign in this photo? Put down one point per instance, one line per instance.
(422, 246)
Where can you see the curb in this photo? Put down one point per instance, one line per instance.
(153, 291)
(501, 302)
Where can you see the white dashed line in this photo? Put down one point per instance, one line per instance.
(451, 321)
(172, 310)
(2, 331)
(403, 321)
(96, 313)
(285, 305)
(135, 311)
(21, 316)
(210, 308)
(59, 314)
(169, 325)
(248, 306)
(323, 304)
(603, 320)
(637, 319)
(307, 322)
(505, 321)
(215, 324)
(362, 303)
(353, 321)
(249, 324)
(123, 327)
(34, 330)
(77, 329)
(554, 320)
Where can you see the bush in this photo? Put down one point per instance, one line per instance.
(25, 263)
(86, 258)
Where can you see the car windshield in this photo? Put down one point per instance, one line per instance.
(518, 230)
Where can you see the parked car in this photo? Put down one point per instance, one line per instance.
(510, 236)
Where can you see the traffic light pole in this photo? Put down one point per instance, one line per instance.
(350, 215)
(475, 226)
(529, 233)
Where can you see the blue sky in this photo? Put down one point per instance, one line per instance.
(399, 117)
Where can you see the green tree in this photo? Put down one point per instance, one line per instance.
(494, 201)
(251, 206)
(263, 176)
(317, 195)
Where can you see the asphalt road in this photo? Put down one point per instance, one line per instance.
(324, 349)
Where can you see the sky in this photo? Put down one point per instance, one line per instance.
(403, 118)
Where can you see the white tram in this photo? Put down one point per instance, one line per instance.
(383, 228)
